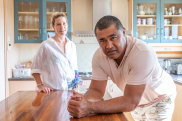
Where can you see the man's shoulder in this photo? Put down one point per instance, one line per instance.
(99, 56)
(141, 46)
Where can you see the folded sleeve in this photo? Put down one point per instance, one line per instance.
(37, 65)
(140, 70)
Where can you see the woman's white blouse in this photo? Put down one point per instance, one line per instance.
(56, 68)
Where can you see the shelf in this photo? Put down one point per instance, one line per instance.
(170, 16)
(50, 30)
(146, 25)
(28, 13)
(146, 16)
(173, 25)
(27, 30)
(51, 13)
(37, 13)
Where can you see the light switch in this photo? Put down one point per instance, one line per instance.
(9, 43)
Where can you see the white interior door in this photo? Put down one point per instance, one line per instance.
(2, 51)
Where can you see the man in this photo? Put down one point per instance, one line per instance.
(149, 92)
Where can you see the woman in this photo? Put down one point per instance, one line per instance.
(55, 64)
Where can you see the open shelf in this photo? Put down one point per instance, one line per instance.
(146, 25)
(173, 25)
(50, 30)
(26, 30)
(51, 13)
(146, 16)
(28, 13)
(170, 16)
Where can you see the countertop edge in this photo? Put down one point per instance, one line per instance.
(21, 79)
(86, 78)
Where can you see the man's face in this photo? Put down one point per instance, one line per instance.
(111, 41)
(60, 26)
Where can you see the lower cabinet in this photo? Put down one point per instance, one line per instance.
(21, 85)
(30, 85)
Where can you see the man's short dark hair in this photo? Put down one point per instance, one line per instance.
(106, 21)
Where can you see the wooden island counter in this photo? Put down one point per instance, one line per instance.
(36, 106)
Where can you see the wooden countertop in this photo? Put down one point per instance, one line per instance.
(36, 106)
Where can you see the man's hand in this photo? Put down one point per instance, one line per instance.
(78, 106)
(44, 89)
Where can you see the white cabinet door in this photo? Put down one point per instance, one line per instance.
(25, 85)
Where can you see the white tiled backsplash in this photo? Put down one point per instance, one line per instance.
(86, 47)
(85, 39)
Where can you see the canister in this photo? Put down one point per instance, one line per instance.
(149, 21)
(139, 21)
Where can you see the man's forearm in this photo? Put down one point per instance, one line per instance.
(115, 105)
(93, 95)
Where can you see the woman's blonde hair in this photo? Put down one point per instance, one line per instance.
(57, 16)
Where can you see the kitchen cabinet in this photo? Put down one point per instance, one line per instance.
(32, 19)
(158, 21)
(21, 85)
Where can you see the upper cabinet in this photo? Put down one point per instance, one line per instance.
(158, 21)
(32, 19)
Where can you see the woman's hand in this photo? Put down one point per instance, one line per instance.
(44, 89)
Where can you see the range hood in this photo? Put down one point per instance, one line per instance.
(100, 9)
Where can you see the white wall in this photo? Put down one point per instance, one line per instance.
(2, 52)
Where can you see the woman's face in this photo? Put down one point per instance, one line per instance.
(60, 26)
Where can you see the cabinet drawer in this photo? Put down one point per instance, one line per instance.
(15, 86)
